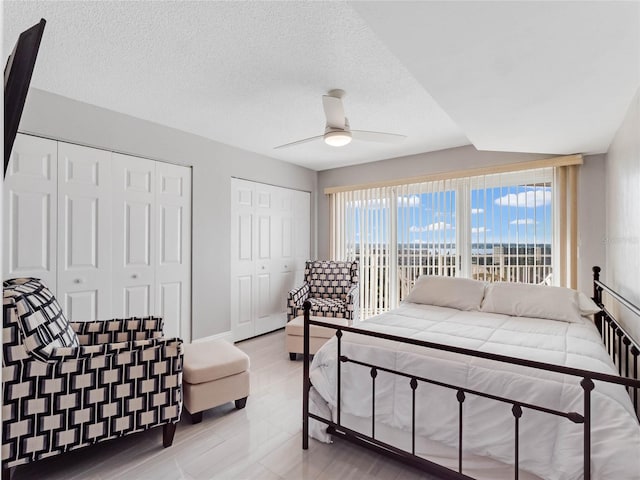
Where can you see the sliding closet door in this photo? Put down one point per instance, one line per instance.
(84, 232)
(267, 223)
(243, 246)
(173, 262)
(30, 210)
(134, 234)
(284, 253)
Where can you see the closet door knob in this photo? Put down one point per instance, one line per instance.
(135, 275)
(77, 280)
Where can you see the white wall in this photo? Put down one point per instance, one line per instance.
(590, 191)
(213, 164)
(591, 220)
(622, 271)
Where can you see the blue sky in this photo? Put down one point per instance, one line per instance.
(498, 215)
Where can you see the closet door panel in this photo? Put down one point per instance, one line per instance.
(30, 210)
(265, 254)
(173, 262)
(84, 233)
(244, 244)
(267, 287)
(134, 242)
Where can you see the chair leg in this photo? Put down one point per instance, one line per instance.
(168, 431)
(196, 417)
(6, 472)
(292, 356)
(241, 403)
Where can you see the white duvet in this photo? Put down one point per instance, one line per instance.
(550, 447)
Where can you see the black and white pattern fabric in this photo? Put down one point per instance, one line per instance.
(332, 289)
(40, 317)
(87, 391)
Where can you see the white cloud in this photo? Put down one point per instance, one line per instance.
(476, 211)
(523, 221)
(411, 201)
(480, 229)
(530, 198)
(432, 227)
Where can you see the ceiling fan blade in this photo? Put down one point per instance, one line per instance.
(298, 142)
(334, 111)
(377, 136)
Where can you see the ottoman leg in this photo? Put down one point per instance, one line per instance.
(196, 417)
(292, 356)
(241, 403)
(168, 431)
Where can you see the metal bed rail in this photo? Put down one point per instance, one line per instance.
(586, 380)
(620, 345)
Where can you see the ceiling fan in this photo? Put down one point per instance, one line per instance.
(337, 132)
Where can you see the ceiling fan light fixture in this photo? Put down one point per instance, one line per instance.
(337, 138)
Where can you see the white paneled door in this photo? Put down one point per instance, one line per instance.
(84, 232)
(267, 223)
(134, 227)
(243, 247)
(173, 251)
(109, 234)
(30, 210)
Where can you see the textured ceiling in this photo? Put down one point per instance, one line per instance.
(545, 77)
(249, 74)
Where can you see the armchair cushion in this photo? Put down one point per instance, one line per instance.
(327, 307)
(40, 318)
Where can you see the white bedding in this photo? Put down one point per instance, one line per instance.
(550, 447)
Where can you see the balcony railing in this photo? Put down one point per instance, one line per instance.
(524, 266)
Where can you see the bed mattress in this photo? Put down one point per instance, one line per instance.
(550, 447)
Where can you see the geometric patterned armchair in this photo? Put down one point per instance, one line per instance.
(67, 385)
(332, 289)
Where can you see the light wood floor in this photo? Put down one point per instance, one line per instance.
(262, 442)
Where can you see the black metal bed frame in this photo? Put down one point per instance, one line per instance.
(618, 342)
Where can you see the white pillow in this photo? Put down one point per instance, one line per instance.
(460, 293)
(586, 305)
(537, 301)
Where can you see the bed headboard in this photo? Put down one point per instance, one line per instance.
(622, 347)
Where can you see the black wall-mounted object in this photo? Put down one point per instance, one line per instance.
(17, 77)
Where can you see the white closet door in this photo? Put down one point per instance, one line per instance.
(84, 232)
(265, 256)
(283, 241)
(30, 210)
(243, 246)
(268, 273)
(173, 263)
(134, 228)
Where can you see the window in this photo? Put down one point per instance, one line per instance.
(495, 227)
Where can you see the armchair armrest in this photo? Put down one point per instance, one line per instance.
(118, 330)
(295, 299)
(352, 302)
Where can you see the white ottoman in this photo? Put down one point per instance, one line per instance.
(318, 336)
(214, 372)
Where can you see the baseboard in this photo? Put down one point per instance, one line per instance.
(226, 336)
